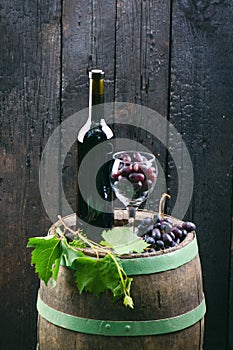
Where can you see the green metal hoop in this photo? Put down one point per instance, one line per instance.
(121, 328)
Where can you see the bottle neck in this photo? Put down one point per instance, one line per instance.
(97, 99)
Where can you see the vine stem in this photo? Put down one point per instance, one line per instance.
(90, 243)
(119, 269)
(162, 203)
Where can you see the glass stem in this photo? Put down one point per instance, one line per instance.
(131, 216)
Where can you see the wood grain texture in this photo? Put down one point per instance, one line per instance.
(29, 94)
(142, 69)
(169, 294)
(142, 53)
(201, 110)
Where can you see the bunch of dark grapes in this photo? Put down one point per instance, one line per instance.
(162, 233)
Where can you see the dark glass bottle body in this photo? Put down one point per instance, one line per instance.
(95, 208)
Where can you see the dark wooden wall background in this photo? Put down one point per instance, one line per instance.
(173, 56)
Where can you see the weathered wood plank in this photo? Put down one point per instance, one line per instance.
(88, 42)
(142, 53)
(29, 93)
(201, 109)
(142, 70)
(128, 51)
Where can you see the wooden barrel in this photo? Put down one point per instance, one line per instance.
(168, 314)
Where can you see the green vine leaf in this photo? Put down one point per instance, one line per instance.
(70, 254)
(93, 275)
(46, 256)
(123, 241)
(55, 269)
(96, 275)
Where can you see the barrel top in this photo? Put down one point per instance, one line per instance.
(147, 263)
(120, 218)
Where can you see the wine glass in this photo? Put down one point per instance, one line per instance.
(133, 177)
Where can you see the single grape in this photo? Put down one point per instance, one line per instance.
(189, 226)
(177, 232)
(150, 240)
(141, 230)
(136, 177)
(126, 170)
(167, 239)
(159, 244)
(156, 234)
(184, 233)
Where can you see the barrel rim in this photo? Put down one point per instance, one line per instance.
(71, 219)
(153, 264)
(145, 263)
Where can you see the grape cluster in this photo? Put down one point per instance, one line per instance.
(162, 233)
(136, 170)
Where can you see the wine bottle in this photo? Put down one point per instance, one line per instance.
(91, 208)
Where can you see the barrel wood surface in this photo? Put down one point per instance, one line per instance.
(156, 296)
